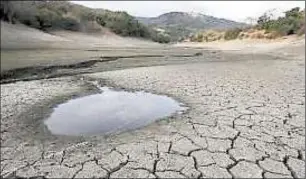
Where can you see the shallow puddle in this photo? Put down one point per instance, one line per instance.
(110, 111)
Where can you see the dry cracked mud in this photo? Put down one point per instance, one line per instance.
(245, 119)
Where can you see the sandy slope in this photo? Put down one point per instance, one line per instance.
(23, 37)
(290, 45)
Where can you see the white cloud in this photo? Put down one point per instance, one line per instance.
(234, 10)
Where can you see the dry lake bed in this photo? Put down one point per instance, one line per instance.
(244, 113)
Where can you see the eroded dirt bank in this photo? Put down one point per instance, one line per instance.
(246, 119)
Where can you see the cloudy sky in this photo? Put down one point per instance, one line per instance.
(234, 10)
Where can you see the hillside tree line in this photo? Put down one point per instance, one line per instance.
(54, 15)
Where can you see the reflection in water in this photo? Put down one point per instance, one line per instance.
(110, 111)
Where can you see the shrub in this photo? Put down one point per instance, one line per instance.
(160, 38)
(241, 35)
(67, 23)
(199, 38)
(232, 34)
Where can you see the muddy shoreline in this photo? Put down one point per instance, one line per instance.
(109, 63)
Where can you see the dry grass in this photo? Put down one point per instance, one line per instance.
(249, 33)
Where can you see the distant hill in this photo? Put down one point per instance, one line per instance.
(178, 24)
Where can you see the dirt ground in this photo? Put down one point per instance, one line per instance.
(246, 114)
(22, 37)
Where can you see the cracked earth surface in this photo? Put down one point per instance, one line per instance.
(245, 119)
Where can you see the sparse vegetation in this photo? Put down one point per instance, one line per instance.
(207, 36)
(292, 23)
(122, 23)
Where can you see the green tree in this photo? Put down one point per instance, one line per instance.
(263, 19)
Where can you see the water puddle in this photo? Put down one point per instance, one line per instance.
(110, 112)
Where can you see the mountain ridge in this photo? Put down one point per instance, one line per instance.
(178, 24)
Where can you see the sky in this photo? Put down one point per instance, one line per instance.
(233, 10)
